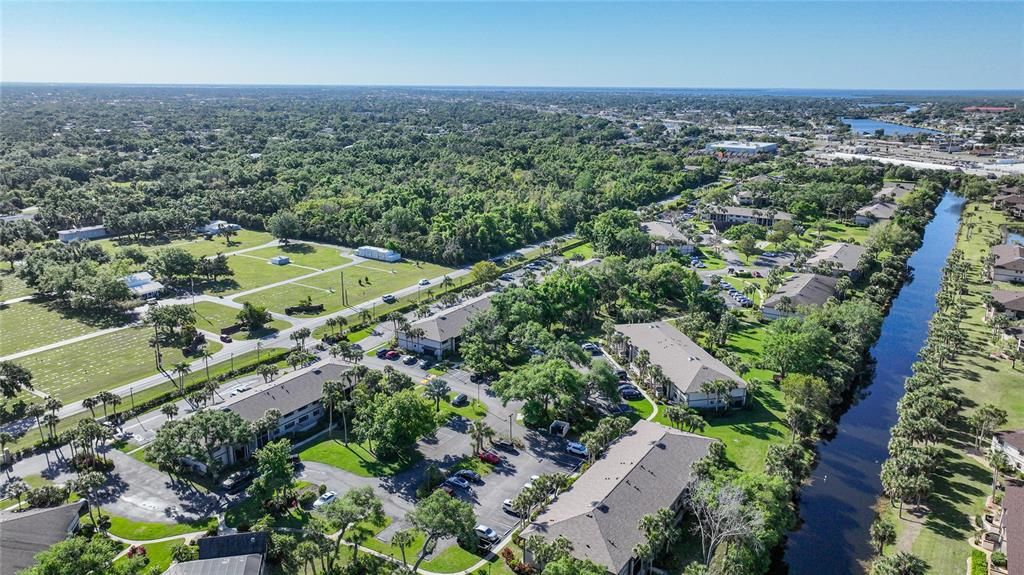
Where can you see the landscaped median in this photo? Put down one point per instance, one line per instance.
(354, 457)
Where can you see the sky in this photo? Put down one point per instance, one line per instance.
(768, 44)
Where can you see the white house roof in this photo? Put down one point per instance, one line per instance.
(684, 362)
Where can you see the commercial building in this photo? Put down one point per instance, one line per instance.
(799, 290)
(379, 254)
(744, 148)
(26, 533)
(725, 216)
(874, 213)
(1008, 263)
(647, 469)
(838, 258)
(142, 285)
(686, 365)
(87, 233)
(217, 226)
(442, 331)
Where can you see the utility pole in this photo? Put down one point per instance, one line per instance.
(509, 424)
(259, 344)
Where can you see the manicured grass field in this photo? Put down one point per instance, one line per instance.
(212, 317)
(832, 231)
(586, 251)
(474, 410)
(363, 282)
(309, 255)
(13, 286)
(450, 560)
(199, 246)
(354, 458)
(963, 483)
(82, 369)
(250, 273)
(641, 408)
(159, 554)
(142, 531)
(28, 325)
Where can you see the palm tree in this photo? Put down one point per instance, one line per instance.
(333, 393)
(403, 539)
(90, 403)
(170, 410)
(902, 563)
(115, 400)
(437, 389)
(479, 431)
(206, 355)
(86, 485)
(181, 369)
(51, 422)
(37, 411)
(17, 489)
(1000, 464)
(53, 405)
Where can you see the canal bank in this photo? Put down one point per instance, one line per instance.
(836, 508)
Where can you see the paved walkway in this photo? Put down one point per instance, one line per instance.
(17, 300)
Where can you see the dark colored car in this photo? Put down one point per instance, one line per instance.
(631, 394)
(382, 353)
(469, 475)
(460, 400)
(409, 360)
(225, 338)
(623, 376)
(504, 446)
(476, 378)
(237, 481)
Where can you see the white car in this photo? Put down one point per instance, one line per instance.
(424, 282)
(577, 449)
(507, 507)
(487, 534)
(324, 499)
(456, 481)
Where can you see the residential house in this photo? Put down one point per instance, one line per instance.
(442, 330)
(892, 191)
(297, 395)
(686, 365)
(1010, 200)
(874, 213)
(797, 291)
(665, 236)
(86, 233)
(647, 469)
(217, 226)
(26, 533)
(838, 258)
(379, 254)
(142, 285)
(1008, 263)
(1008, 302)
(249, 543)
(1011, 443)
(238, 554)
(1011, 527)
(725, 216)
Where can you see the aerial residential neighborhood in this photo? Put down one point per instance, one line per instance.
(676, 288)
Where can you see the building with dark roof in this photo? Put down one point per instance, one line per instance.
(687, 365)
(240, 565)
(233, 545)
(647, 469)
(837, 258)
(1009, 302)
(23, 534)
(1008, 263)
(443, 330)
(1011, 527)
(797, 291)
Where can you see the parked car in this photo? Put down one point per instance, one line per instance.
(426, 364)
(486, 534)
(469, 475)
(324, 499)
(460, 400)
(592, 348)
(504, 446)
(409, 359)
(237, 481)
(424, 282)
(489, 457)
(577, 449)
(356, 347)
(476, 378)
(623, 375)
(507, 507)
(456, 481)
(382, 353)
(631, 394)
(226, 338)
(506, 277)
(389, 299)
(392, 355)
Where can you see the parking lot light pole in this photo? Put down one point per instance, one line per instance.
(510, 416)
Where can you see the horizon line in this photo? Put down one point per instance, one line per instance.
(1007, 91)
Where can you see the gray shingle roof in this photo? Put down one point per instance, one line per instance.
(240, 565)
(684, 362)
(26, 533)
(290, 392)
(665, 230)
(843, 256)
(646, 470)
(448, 323)
(1013, 520)
(1009, 299)
(878, 211)
(895, 190)
(804, 289)
(1009, 256)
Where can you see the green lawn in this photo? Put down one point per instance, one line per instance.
(81, 369)
(29, 325)
(641, 407)
(308, 255)
(474, 410)
(353, 337)
(354, 458)
(159, 554)
(832, 231)
(450, 560)
(213, 316)
(142, 531)
(377, 279)
(963, 482)
(13, 286)
(199, 246)
(586, 251)
(250, 273)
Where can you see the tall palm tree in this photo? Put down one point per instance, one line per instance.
(437, 389)
(479, 431)
(181, 369)
(115, 400)
(206, 355)
(51, 422)
(90, 403)
(333, 392)
(170, 410)
(37, 411)
(403, 539)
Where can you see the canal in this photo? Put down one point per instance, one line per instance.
(837, 506)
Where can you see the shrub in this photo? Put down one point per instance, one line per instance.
(998, 559)
(306, 498)
(321, 489)
(46, 496)
(213, 531)
(979, 563)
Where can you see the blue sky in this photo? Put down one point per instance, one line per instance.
(770, 44)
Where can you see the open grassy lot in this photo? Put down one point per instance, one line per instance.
(250, 273)
(142, 531)
(363, 282)
(832, 231)
(212, 317)
(28, 325)
(940, 537)
(81, 369)
(13, 286)
(354, 457)
(309, 255)
(198, 246)
(450, 560)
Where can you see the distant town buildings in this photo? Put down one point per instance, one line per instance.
(725, 216)
(379, 254)
(442, 331)
(86, 233)
(745, 148)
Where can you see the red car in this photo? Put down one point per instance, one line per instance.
(757, 274)
(490, 457)
(392, 355)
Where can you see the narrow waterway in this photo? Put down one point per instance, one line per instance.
(836, 508)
